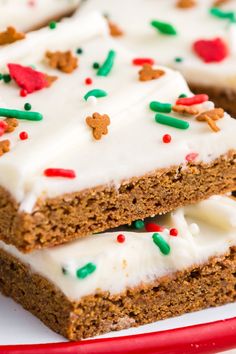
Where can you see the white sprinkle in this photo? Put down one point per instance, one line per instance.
(92, 100)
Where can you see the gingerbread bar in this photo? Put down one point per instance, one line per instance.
(196, 37)
(91, 140)
(182, 262)
(26, 15)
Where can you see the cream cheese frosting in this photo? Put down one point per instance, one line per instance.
(205, 230)
(134, 16)
(27, 14)
(133, 146)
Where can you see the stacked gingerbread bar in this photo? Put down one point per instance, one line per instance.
(195, 37)
(94, 137)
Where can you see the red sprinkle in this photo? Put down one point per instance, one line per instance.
(213, 50)
(27, 79)
(2, 131)
(166, 138)
(191, 157)
(152, 227)
(23, 136)
(190, 101)
(88, 81)
(142, 61)
(59, 172)
(173, 232)
(120, 238)
(23, 93)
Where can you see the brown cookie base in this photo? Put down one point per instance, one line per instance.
(222, 97)
(62, 219)
(208, 285)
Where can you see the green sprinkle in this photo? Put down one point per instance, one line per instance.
(27, 106)
(6, 78)
(183, 95)
(171, 121)
(1, 76)
(96, 93)
(229, 15)
(164, 27)
(108, 64)
(138, 224)
(160, 107)
(161, 243)
(179, 60)
(52, 25)
(83, 272)
(79, 51)
(14, 113)
(96, 65)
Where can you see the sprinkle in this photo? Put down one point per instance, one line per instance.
(185, 4)
(189, 110)
(1, 76)
(63, 61)
(182, 95)
(59, 172)
(173, 232)
(27, 106)
(96, 65)
(23, 93)
(147, 73)
(152, 227)
(106, 67)
(4, 146)
(28, 79)
(52, 25)
(171, 121)
(120, 238)
(212, 50)
(23, 136)
(215, 11)
(88, 269)
(3, 125)
(190, 101)
(6, 78)
(12, 124)
(115, 30)
(138, 224)
(160, 107)
(191, 157)
(64, 270)
(166, 138)
(96, 93)
(161, 243)
(79, 51)
(142, 61)
(88, 81)
(210, 117)
(10, 36)
(14, 113)
(92, 100)
(99, 124)
(179, 59)
(164, 27)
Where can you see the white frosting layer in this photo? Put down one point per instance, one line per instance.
(134, 17)
(133, 146)
(205, 230)
(27, 14)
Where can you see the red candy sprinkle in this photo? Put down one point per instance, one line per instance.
(23, 136)
(120, 238)
(213, 50)
(2, 131)
(59, 172)
(191, 157)
(152, 227)
(142, 61)
(88, 81)
(166, 138)
(28, 79)
(190, 101)
(173, 232)
(3, 127)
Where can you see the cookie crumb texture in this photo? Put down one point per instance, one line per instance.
(200, 287)
(62, 219)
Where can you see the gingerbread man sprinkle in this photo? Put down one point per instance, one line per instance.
(186, 4)
(4, 146)
(63, 61)
(147, 73)
(219, 2)
(10, 36)
(115, 30)
(99, 124)
(185, 110)
(12, 124)
(210, 117)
